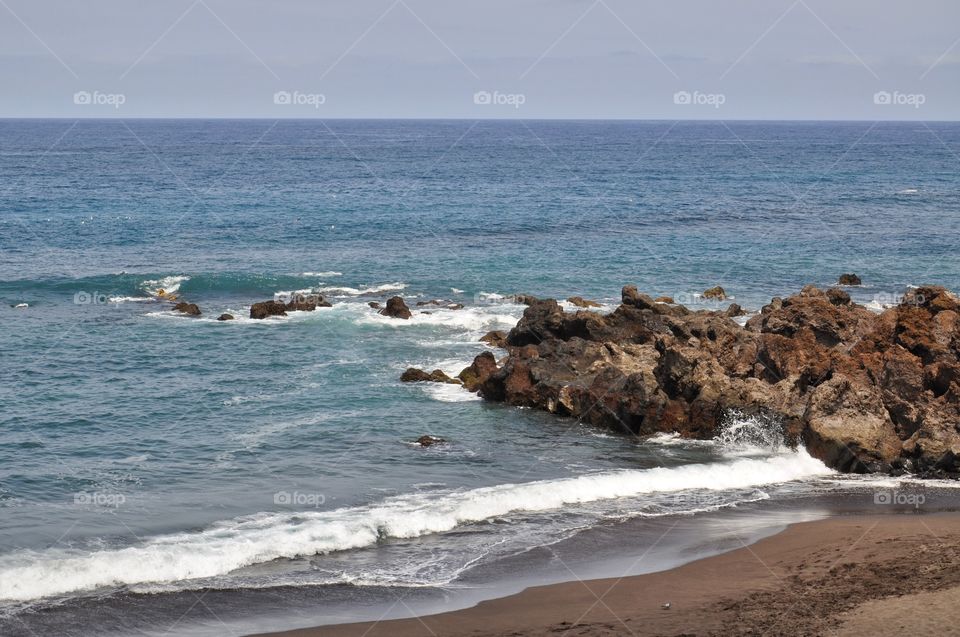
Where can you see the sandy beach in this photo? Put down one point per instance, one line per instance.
(850, 575)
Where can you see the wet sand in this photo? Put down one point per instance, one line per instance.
(850, 575)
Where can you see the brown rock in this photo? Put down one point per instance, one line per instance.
(482, 368)
(864, 392)
(429, 441)
(374, 305)
(225, 317)
(715, 292)
(306, 303)
(414, 375)
(396, 308)
(579, 301)
(190, 309)
(267, 308)
(663, 299)
(495, 338)
(849, 279)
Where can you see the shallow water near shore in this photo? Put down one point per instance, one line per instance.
(149, 459)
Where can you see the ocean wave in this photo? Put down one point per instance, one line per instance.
(323, 275)
(169, 284)
(230, 545)
(374, 289)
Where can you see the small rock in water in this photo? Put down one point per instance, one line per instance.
(190, 309)
(579, 301)
(414, 375)
(267, 308)
(374, 305)
(226, 317)
(715, 292)
(429, 441)
(849, 279)
(396, 308)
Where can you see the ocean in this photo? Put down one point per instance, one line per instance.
(165, 473)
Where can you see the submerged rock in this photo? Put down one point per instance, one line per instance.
(226, 317)
(396, 308)
(849, 279)
(863, 391)
(191, 309)
(429, 441)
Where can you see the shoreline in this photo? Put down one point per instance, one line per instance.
(853, 574)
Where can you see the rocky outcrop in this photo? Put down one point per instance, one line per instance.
(396, 308)
(849, 279)
(863, 391)
(415, 375)
(429, 441)
(226, 317)
(190, 309)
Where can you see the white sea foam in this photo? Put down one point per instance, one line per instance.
(233, 544)
(449, 393)
(169, 284)
(323, 275)
(374, 289)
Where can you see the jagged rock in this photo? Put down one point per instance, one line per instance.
(429, 441)
(190, 309)
(396, 308)
(579, 301)
(849, 279)
(495, 338)
(735, 310)
(483, 366)
(414, 375)
(715, 292)
(265, 309)
(863, 391)
(525, 299)
(226, 317)
(838, 296)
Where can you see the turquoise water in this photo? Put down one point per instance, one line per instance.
(144, 452)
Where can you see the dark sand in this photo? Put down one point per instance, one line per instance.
(852, 575)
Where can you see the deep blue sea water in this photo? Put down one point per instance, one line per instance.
(146, 457)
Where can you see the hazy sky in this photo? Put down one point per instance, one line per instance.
(701, 59)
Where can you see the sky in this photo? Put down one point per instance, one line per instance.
(669, 59)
